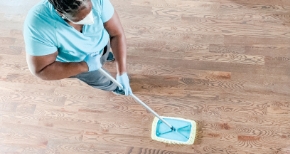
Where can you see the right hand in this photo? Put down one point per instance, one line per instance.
(93, 61)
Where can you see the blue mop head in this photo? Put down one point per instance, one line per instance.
(184, 133)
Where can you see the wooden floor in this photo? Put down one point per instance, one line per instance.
(223, 63)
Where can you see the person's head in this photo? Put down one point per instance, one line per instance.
(72, 10)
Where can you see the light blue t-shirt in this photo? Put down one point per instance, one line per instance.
(45, 32)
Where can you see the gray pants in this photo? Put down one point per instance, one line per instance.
(95, 78)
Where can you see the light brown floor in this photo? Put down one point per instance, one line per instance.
(223, 63)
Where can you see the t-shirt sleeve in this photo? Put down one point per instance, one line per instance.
(107, 10)
(38, 35)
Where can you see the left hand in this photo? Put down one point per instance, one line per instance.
(124, 81)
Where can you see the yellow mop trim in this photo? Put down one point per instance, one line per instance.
(188, 142)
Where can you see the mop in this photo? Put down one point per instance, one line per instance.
(166, 129)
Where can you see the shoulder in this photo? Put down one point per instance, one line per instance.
(96, 2)
(104, 8)
(101, 3)
(39, 24)
(39, 17)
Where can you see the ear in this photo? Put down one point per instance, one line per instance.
(60, 14)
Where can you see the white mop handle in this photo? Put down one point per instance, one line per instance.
(136, 98)
(152, 111)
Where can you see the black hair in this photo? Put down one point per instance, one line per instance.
(66, 6)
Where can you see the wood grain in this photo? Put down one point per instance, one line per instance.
(222, 63)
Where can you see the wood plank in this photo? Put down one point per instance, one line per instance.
(222, 63)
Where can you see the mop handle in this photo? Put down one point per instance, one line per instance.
(136, 98)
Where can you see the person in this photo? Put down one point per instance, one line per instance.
(72, 39)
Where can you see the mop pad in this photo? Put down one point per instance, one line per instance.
(183, 131)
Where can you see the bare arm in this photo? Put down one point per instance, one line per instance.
(118, 42)
(46, 68)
